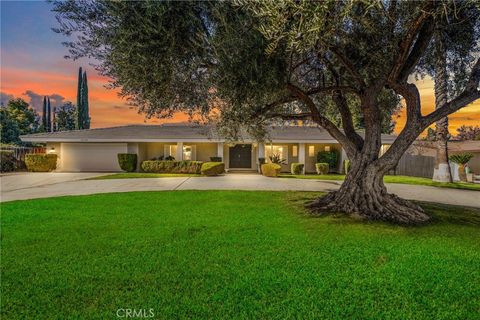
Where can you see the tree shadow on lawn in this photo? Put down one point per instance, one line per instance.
(442, 214)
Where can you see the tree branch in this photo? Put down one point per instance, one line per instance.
(298, 116)
(469, 95)
(407, 42)
(423, 40)
(349, 65)
(348, 145)
(347, 119)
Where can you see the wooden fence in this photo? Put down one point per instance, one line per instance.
(20, 152)
(415, 166)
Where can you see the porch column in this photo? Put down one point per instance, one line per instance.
(261, 150)
(301, 155)
(220, 150)
(179, 155)
(343, 157)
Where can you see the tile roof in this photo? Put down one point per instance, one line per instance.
(176, 132)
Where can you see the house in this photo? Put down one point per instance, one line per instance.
(97, 149)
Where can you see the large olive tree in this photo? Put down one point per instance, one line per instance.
(248, 64)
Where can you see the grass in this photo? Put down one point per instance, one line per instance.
(133, 175)
(232, 254)
(393, 179)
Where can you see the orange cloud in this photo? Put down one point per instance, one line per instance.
(107, 109)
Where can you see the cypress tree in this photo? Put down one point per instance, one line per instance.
(54, 120)
(79, 117)
(44, 114)
(49, 116)
(86, 115)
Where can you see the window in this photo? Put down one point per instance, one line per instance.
(172, 151)
(311, 151)
(272, 149)
(295, 151)
(187, 153)
(327, 148)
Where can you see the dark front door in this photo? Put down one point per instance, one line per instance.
(241, 156)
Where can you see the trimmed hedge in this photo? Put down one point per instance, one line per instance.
(322, 168)
(297, 168)
(215, 159)
(212, 168)
(330, 157)
(7, 161)
(41, 162)
(271, 169)
(156, 166)
(346, 166)
(127, 161)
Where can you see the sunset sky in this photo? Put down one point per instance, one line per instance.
(32, 66)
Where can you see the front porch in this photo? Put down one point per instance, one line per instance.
(240, 157)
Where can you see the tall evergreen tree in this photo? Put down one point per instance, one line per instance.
(78, 120)
(54, 120)
(86, 115)
(44, 114)
(49, 116)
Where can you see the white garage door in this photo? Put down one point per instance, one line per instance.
(91, 156)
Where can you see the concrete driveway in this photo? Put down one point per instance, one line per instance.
(42, 185)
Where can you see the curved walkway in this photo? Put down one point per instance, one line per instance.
(24, 186)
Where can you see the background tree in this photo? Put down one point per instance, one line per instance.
(17, 118)
(292, 61)
(79, 121)
(86, 112)
(44, 114)
(83, 117)
(468, 133)
(65, 117)
(49, 116)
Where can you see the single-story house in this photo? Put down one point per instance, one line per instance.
(97, 149)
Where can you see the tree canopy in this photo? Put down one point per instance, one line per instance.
(342, 65)
(17, 118)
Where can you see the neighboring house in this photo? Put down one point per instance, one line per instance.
(97, 149)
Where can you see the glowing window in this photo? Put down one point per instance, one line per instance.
(294, 151)
(187, 153)
(311, 151)
(172, 151)
(276, 150)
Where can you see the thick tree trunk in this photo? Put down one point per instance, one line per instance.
(441, 171)
(364, 194)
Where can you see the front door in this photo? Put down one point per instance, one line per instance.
(240, 156)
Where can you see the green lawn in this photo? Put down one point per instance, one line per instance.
(232, 254)
(131, 175)
(393, 179)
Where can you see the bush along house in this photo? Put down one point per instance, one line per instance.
(98, 149)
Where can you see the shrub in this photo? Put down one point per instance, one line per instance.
(330, 157)
(168, 158)
(212, 168)
(216, 159)
(271, 169)
(322, 168)
(127, 161)
(277, 158)
(461, 158)
(155, 166)
(346, 166)
(7, 161)
(41, 162)
(297, 168)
